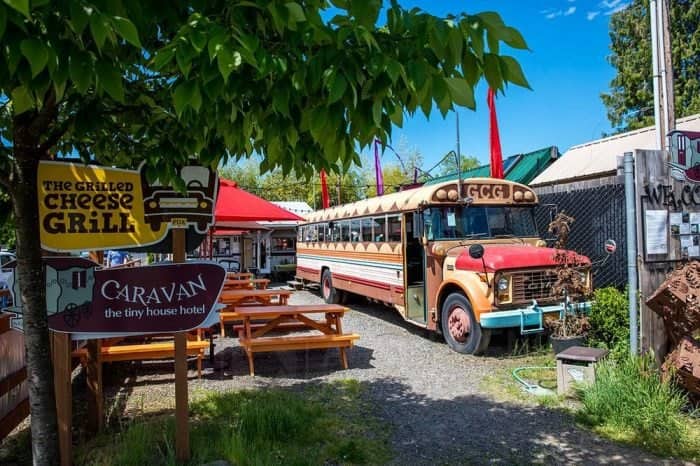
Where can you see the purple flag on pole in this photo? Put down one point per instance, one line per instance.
(378, 169)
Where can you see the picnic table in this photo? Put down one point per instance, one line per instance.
(236, 299)
(254, 337)
(239, 275)
(146, 347)
(236, 284)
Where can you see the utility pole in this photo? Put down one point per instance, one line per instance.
(662, 70)
(338, 188)
(667, 71)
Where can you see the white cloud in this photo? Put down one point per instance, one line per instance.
(553, 14)
(570, 11)
(590, 16)
(609, 4)
(620, 7)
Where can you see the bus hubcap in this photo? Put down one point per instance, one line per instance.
(458, 324)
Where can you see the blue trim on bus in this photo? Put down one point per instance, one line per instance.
(382, 265)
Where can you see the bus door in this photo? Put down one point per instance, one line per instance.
(414, 265)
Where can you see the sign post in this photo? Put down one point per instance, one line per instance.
(182, 432)
(86, 207)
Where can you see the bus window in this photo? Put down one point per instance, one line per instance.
(355, 230)
(345, 230)
(394, 224)
(322, 227)
(300, 234)
(335, 231)
(379, 230)
(366, 229)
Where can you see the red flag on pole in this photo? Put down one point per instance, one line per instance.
(494, 139)
(325, 199)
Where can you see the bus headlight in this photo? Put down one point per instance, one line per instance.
(503, 289)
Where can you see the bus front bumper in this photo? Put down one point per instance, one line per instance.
(530, 319)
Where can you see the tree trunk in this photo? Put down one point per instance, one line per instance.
(33, 296)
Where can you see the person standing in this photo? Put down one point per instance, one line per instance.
(115, 258)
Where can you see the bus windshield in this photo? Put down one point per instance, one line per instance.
(478, 222)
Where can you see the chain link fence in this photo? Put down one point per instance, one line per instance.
(599, 214)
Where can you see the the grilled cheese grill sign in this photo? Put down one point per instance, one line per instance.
(86, 207)
(99, 303)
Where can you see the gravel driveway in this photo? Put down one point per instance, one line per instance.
(431, 396)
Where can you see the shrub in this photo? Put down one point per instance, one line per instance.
(609, 320)
(630, 402)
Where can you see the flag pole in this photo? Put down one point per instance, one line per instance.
(459, 162)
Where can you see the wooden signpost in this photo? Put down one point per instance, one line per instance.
(83, 207)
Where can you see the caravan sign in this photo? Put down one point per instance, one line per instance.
(90, 302)
(87, 207)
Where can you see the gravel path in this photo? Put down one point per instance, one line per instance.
(431, 396)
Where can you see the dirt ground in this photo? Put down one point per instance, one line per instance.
(432, 399)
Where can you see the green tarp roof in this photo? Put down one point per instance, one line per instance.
(521, 168)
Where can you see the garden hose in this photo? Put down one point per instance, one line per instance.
(534, 389)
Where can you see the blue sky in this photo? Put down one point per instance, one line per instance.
(566, 67)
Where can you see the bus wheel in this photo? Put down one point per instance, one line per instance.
(461, 330)
(329, 294)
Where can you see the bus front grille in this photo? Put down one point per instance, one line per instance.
(535, 284)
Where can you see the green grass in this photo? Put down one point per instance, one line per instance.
(630, 403)
(504, 388)
(325, 424)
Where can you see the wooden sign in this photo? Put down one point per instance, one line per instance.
(101, 303)
(86, 207)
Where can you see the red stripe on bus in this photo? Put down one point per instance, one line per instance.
(372, 283)
(360, 281)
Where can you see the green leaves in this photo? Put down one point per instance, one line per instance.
(22, 100)
(337, 88)
(126, 29)
(36, 53)
(227, 60)
(81, 71)
(20, 5)
(110, 79)
(461, 92)
(511, 71)
(187, 95)
(296, 13)
(99, 29)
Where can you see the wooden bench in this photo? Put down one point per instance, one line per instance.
(303, 342)
(297, 285)
(146, 351)
(253, 339)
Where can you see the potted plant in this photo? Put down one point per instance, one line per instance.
(572, 326)
(569, 330)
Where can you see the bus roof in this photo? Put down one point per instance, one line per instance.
(481, 191)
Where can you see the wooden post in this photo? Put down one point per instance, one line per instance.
(94, 385)
(182, 433)
(61, 355)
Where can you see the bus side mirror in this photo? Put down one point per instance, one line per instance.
(476, 251)
(610, 246)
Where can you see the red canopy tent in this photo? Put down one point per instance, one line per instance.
(236, 205)
(237, 211)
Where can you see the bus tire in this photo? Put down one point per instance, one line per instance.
(462, 332)
(329, 294)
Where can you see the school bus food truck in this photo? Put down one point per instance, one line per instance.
(411, 250)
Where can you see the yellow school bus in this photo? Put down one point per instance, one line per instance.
(460, 258)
